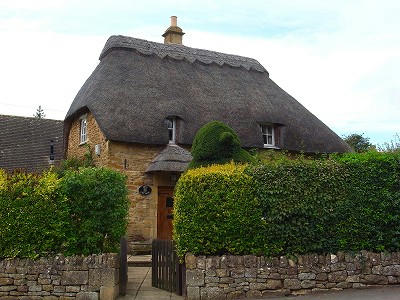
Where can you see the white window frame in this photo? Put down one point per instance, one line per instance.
(173, 128)
(264, 132)
(83, 138)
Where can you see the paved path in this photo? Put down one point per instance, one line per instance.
(139, 286)
(385, 293)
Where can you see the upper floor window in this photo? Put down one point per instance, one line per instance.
(171, 125)
(51, 151)
(83, 135)
(268, 135)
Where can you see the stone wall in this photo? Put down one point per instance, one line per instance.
(77, 277)
(94, 136)
(233, 277)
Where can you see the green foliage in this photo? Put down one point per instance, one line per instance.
(33, 215)
(82, 213)
(217, 143)
(98, 204)
(347, 202)
(358, 142)
(216, 211)
(74, 163)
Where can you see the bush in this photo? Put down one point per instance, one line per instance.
(216, 211)
(98, 204)
(349, 202)
(85, 212)
(217, 143)
(33, 215)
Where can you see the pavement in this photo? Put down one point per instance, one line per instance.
(139, 287)
(384, 293)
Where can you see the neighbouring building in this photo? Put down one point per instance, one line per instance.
(141, 107)
(30, 144)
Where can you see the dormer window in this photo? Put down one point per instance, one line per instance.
(83, 131)
(268, 135)
(171, 125)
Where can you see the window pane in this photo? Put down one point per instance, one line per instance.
(269, 129)
(170, 132)
(265, 139)
(269, 140)
(170, 124)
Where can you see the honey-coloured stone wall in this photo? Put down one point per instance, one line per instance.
(235, 277)
(94, 136)
(94, 277)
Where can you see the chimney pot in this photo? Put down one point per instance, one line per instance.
(174, 21)
(173, 35)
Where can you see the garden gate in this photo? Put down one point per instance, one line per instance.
(167, 273)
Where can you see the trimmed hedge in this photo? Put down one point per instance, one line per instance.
(84, 212)
(217, 143)
(33, 215)
(216, 211)
(348, 202)
(98, 206)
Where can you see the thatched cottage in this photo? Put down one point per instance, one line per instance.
(141, 107)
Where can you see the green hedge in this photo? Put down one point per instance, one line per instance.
(84, 212)
(348, 202)
(215, 211)
(217, 143)
(33, 215)
(98, 205)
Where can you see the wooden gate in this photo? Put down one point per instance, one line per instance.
(123, 266)
(167, 273)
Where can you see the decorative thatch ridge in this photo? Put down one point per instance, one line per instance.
(172, 159)
(180, 52)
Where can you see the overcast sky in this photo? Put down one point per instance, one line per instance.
(340, 59)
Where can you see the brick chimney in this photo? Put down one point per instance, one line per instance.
(173, 35)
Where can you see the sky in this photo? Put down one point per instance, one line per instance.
(339, 58)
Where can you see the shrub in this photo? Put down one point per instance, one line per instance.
(74, 163)
(98, 204)
(85, 212)
(33, 215)
(349, 202)
(217, 143)
(216, 211)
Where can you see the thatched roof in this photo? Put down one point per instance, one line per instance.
(172, 159)
(138, 83)
(25, 143)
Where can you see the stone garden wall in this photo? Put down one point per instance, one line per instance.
(85, 278)
(233, 277)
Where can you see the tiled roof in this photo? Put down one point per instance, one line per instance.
(25, 143)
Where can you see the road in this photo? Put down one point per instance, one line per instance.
(385, 293)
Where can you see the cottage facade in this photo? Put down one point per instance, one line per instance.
(142, 106)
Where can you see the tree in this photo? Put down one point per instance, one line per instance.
(358, 142)
(217, 143)
(392, 146)
(39, 113)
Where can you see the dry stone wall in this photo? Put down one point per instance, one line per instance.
(60, 278)
(233, 277)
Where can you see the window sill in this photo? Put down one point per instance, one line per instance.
(271, 147)
(82, 143)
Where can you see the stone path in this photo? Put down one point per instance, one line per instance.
(139, 286)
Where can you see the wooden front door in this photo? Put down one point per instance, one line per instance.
(164, 212)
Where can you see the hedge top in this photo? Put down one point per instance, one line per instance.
(217, 143)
